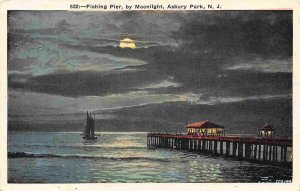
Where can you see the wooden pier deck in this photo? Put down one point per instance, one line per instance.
(271, 150)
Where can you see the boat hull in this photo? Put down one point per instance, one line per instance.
(91, 138)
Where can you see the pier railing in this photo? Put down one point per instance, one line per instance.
(276, 150)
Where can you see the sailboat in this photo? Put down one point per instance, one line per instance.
(89, 130)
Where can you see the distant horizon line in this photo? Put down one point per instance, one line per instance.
(116, 132)
(134, 132)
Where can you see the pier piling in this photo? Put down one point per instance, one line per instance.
(244, 148)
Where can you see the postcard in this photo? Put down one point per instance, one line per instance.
(98, 93)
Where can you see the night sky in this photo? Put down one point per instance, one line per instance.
(233, 68)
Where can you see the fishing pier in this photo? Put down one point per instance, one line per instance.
(269, 149)
(248, 148)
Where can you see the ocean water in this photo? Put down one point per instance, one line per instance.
(64, 157)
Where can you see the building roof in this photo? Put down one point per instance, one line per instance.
(204, 124)
(267, 127)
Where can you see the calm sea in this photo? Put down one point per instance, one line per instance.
(64, 157)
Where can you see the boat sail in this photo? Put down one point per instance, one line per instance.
(89, 130)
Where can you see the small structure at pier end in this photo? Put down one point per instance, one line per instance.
(205, 128)
(266, 132)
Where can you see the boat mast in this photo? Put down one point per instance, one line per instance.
(94, 121)
(93, 126)
(87, 126)
(90, 125)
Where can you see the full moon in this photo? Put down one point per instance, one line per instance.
(127, 43)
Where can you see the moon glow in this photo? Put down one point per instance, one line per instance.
(127, 43)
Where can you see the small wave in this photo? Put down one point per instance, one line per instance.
(72, 156)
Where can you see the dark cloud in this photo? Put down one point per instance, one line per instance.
(87, 83)
(220, 39)
(239, 117)
(266, 33)
(200, 74)
(212, 54)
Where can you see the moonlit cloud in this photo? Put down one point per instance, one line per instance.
(24, 103)
(46, 58)
(213, 100)
(161, 84)
(261, 65)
